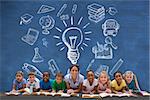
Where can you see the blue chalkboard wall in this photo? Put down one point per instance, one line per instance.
(36, 35)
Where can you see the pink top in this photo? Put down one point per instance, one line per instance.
(103, 87)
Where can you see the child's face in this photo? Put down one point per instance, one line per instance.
(31, 78)
(90, 76)
(129, 78)
(58, 79)
(103, 78)
(19, 77)
(74, 71)
(118, 77)
(46, 76)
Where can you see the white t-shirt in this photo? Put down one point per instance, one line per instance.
(89, 87)
(35, 84)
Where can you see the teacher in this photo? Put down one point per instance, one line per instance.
(74, 80)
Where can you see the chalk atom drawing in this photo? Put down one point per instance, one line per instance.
(45, 9)
(26, 19)
(116, 67)
(31, 36)
(100, 69)
(31, 68)
(110, 27)
(37, 57)
(53, 67)
(47, 23)
(96, 12)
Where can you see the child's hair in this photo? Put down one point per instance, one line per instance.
(46, 72)
(19, 72)
(117, 72)
(75, 65)
(128, 72)
(59, 74)
(31, 73)
(104, 72)
(89, 71)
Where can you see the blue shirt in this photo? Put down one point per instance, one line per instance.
(46, 85)
(132, 85)
(19, 85)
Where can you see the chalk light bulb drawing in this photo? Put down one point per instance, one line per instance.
(73, 47)
(74, 38)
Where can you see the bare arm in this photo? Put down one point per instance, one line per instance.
(68, 85)
(14, 87)
(78, 89)
(113, 90)
(94, 90)
(136, 82)
(84, 89)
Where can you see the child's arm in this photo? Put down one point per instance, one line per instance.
(94, 90)
(23, 87)
(113, 90)
(125, 89)
(136, 82)
(84, 90)
(14, 87)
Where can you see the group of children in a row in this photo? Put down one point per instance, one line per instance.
(74, 82)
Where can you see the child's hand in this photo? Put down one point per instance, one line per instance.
(70, 91)
(13, 91)
(119, 92)
(60, 91)
(53, 91)
(108, 91)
